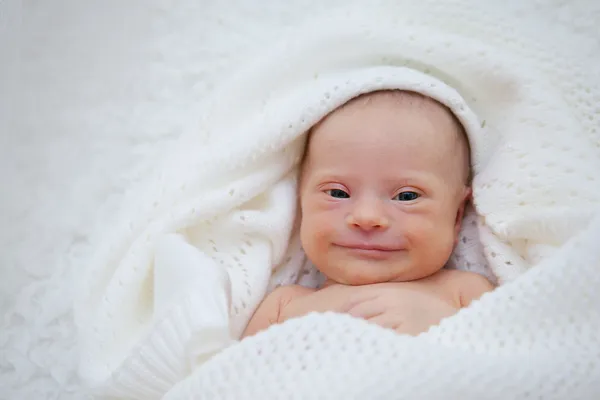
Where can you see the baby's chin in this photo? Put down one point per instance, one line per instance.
(359, 272)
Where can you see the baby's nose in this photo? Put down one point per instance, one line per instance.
(367, 217)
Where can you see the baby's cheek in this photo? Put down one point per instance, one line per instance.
(419, 230)
(314, 235)
(431, 235)
(322, 223)
(322, 231)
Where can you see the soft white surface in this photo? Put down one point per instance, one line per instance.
(103, 88)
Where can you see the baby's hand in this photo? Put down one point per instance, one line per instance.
(406, 311)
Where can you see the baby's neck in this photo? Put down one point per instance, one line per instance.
(329, 282)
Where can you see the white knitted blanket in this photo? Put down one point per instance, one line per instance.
(182, 259)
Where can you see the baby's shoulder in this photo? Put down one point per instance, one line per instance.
(469, 285)
(286, 293)
(456, 276)
(270, 310)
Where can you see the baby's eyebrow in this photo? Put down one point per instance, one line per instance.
(404, 181)
(411, 178)
(332, 179)
(329, 174)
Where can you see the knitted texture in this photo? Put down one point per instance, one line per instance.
(229, 194)
(205, 227)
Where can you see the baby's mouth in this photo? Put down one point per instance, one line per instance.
(369, 250)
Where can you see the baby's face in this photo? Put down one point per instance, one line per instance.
(381, 194)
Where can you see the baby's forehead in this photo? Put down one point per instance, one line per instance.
(405, 103)
(398, 98)
(394, 108)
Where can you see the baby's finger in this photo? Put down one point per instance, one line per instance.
(367, 309)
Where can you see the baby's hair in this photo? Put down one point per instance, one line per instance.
(414, 99)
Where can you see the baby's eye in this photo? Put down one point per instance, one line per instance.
(407, 196)
(338, 194)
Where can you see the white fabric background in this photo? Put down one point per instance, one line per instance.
(89, 93)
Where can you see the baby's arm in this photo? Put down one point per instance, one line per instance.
(472, 287)
(269, 311)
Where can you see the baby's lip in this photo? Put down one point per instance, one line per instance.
(369, 251)
(368, 246)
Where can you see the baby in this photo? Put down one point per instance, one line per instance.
(383, 189)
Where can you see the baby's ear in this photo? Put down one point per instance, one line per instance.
(460, 213)
(467, 194)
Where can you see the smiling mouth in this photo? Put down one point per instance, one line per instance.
(367, 247)
(369, 251)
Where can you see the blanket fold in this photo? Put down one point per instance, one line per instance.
(173, 286)
(486, 351)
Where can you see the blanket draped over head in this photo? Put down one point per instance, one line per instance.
(195, 248)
